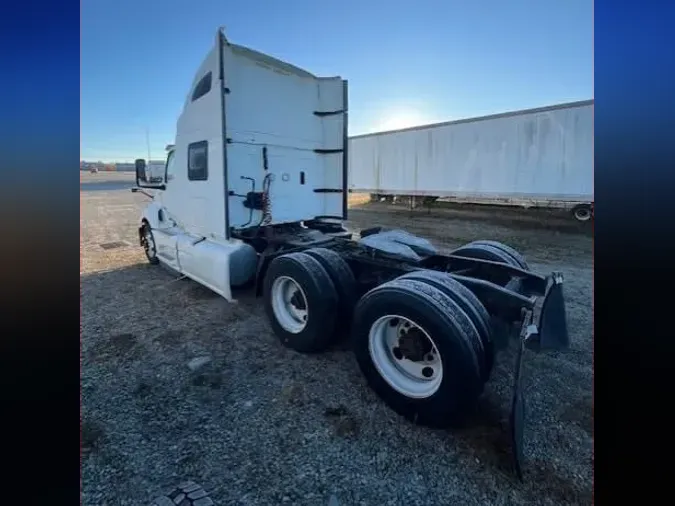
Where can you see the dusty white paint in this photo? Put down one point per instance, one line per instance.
(272, 104)
(268, 104)
(542, 154)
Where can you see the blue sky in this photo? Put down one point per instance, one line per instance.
(407, 62)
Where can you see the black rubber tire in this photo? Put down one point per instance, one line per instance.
(515, 254)
(345, 285)
(471, 305)
(452, 332)
(151, 258)
(486, 252)
(582, 212)
(322, 301)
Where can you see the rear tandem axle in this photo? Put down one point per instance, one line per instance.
(424, 326)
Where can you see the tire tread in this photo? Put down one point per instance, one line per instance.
(454, 397)
(468, 303)
(322, 300)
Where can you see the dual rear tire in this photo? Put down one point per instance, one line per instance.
(493, 251)
(309, 298)
(419, 350)
(422, 341)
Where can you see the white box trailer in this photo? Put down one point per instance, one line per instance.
(535, 157)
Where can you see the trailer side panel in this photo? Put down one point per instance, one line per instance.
(542, 154)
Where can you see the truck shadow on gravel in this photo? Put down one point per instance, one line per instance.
(91, 435)
(119, 345)
(485, 432)
(115, 326)
(114, 308)
(581, 413)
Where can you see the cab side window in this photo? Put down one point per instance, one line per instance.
(198, 161)
(202, 88)
(170, 167)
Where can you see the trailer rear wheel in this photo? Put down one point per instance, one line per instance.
(413, 345)
(300, 302)
(582, 212)
(343, 280)
(493, 251)
(471, 305)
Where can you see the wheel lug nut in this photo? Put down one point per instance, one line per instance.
(427, 372)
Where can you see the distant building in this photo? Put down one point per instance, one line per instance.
(156, 166)
(87, 166)
(126, 167)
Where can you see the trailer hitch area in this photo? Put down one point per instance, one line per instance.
(549, 333)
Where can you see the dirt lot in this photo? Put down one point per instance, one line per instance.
(261, 424)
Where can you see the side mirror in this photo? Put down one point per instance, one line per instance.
(144, 177)
(140, 170)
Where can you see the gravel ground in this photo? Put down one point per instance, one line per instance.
(260, 424)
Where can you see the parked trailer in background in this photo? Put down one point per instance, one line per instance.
(533, 158)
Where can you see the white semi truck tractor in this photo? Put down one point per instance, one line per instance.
(255, 192)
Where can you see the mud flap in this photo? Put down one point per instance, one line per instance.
(517, 416)
(549, 333)
(553, 332)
